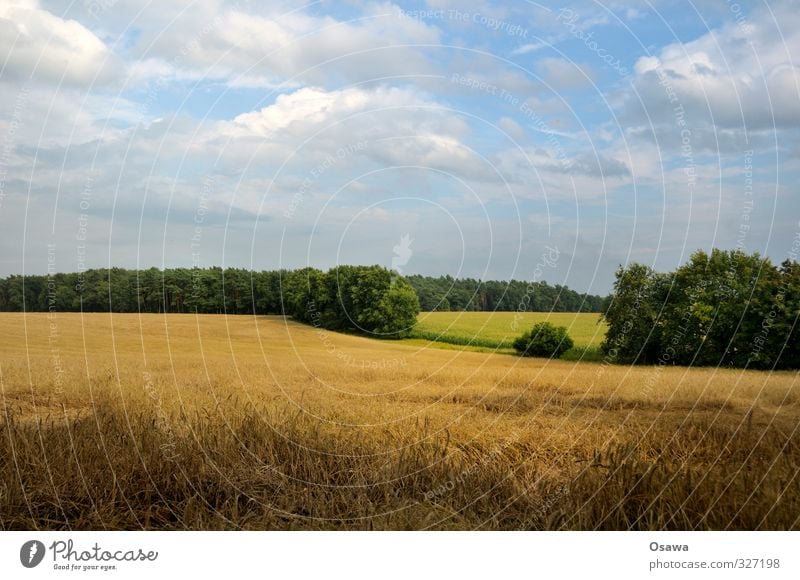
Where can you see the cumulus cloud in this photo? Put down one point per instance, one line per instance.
(337, 111)
(277, 45)
(519, 164)
(741, 75)
(316, 107)
(36, 44)
(388, 125)
(328, 135)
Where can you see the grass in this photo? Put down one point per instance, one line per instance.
(497, 330)
(184, 422)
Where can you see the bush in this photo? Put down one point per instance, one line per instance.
(544, 339)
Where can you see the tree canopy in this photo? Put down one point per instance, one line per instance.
(368, 299)
(445, 293)
(726, 308)
(239, 291)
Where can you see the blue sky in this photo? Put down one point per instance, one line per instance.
(272, 134)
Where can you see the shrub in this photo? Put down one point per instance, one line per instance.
(544, 339)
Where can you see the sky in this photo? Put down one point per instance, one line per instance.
(536, 141)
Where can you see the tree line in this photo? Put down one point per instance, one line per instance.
(241, 291)
(368, 299)
(723, 309)
(445, 293)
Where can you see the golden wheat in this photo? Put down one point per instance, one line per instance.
(213, 422)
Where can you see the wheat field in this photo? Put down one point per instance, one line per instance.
(213, 422)
(585, 328)
(497, 330)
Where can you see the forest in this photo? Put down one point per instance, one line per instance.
(446, 293)
(240, 291)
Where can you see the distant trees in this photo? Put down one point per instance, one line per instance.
(727, 308)
(239, 291)
(206, 290)
(367, 299)
(545, 340)
(452, 294)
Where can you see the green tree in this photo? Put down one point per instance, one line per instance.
(716, 309)
(633, 314)
(726, 308)
(369, 299)
(305, 295)
(545, 340)
(394, 313)
(773, 331)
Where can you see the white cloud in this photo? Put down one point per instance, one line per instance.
(316, 107)
(530, 47)
(273, 45)
(35, 44)
(389, 125)
(742, 74)
(343, 81)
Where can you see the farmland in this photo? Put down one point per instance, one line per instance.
(501, 328)
(130, 421)
(496, 331)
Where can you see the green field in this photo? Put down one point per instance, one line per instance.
(498, 330)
